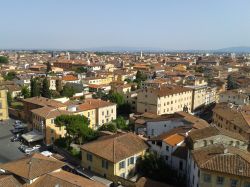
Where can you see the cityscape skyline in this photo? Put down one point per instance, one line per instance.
(164, 25)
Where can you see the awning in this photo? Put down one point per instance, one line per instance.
(32, 136)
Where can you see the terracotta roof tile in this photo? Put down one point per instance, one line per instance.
(33, 166)
(116, 147)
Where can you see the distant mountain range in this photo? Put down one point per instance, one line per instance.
(243, 49)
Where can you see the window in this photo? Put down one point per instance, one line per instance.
(166, 157)
(234, 182)
(102, 113)
(112, 111)
(167, 148)
(181, 165)
(52, 121)
(159, 143)
(89, 157)
(132, 160)
(105, 164)
(207, 178)
(121, 165)
(220, 180)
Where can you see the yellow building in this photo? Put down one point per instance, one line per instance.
(98, 80)
(164, 100)
(43, 122)
(233, 118)
(4, 114)
(114, 156)
(219, 165)
(97, 111)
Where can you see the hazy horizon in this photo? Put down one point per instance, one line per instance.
(161, 24)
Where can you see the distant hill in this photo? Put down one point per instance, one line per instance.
(243, 49)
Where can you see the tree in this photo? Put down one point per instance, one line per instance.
(155, 168)
(59, 85)
(49, 68)
(76, 127)
(45, 88)
(9, 98)
(117, 98)
(121, 123)
(125, 108)
(81, 70)
(4, 60)
(128, 80)
(10, 76)
(108, 127)
(140, 76)
(68, 91)
(231, 83)
(25, 92)
(34, 87)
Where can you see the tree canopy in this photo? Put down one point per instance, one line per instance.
(111, 127)
(49, 68)
(155, 168)
(76, 127)
(10, 76)
(68, 91)
(35, 87)
(45, 92)
(25, 92)
(231, 83)
(4, 60)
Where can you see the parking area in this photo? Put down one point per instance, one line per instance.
(9, 150)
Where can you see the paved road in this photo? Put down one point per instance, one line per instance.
(8, 150)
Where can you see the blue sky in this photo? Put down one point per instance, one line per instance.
(167, 24)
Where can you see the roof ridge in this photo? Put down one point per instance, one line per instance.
(51, 174)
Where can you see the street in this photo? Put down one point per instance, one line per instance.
(9, 150)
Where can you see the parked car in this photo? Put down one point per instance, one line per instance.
(20, 126)
(28, 150)
(19, 130)
(15, 138)
(37, 147)
(18, 122)
(23, 147)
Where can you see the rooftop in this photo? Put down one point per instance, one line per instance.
(116, 147)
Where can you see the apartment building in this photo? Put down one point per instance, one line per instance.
(199, 90)
(233, 118)
(70, 79)
(4, 114)
(169, 145)
(97, 111)
(209, 167)
(152, 125)
(103, 156)
(97, 80)
(43, 122)
(237, 97)
(39, 102)
(164, 100)
(210, 150)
